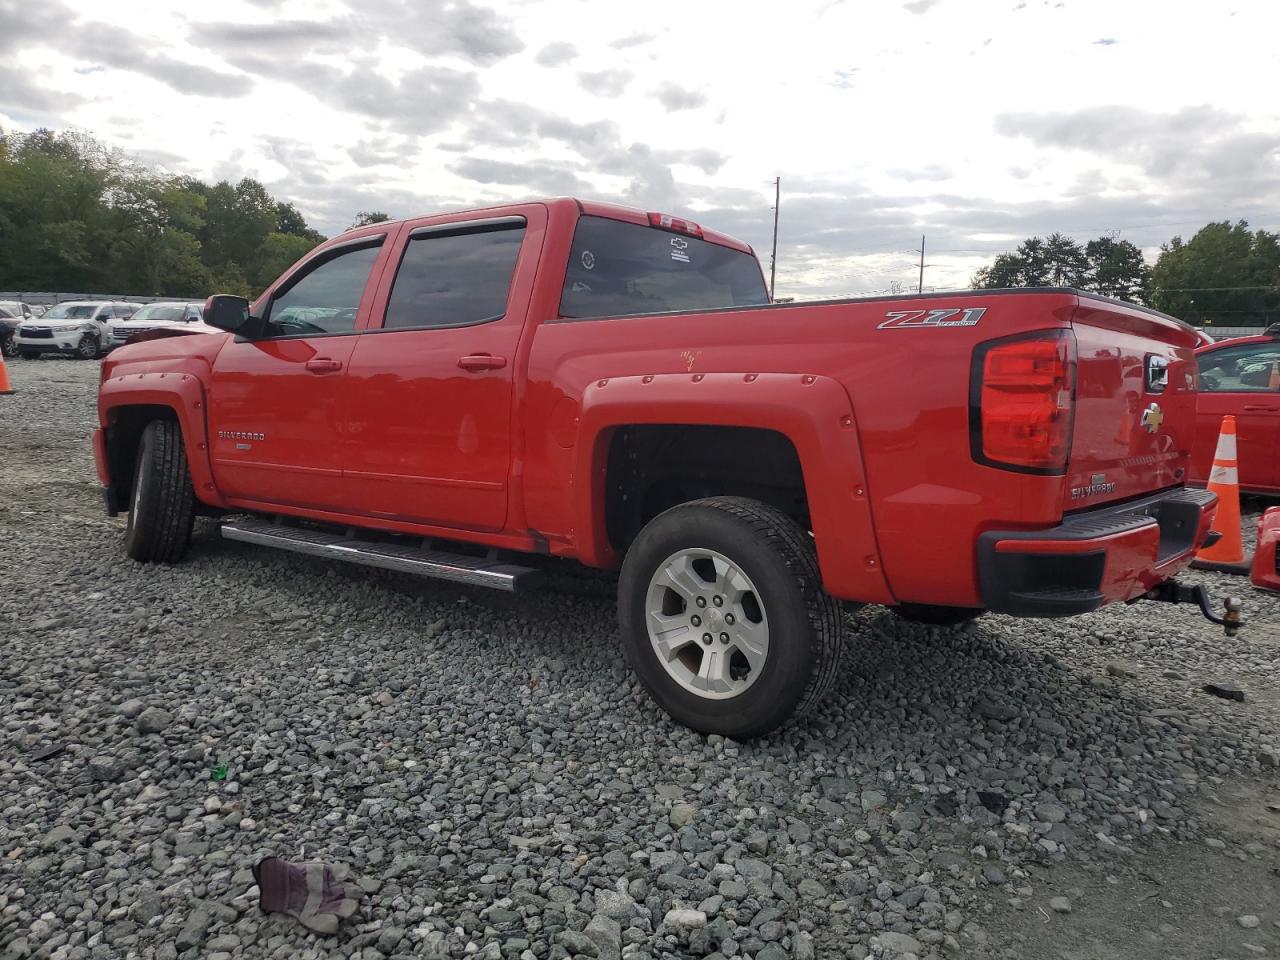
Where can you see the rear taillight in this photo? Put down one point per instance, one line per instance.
(1022, 402)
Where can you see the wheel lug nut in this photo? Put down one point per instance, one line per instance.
(701, 601)
(724, 638)
(717, 600)
(696, 620)
(729, 619)
(706, 638)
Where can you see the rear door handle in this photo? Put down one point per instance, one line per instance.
(482, 361)
(323, 365)
(1254, 408)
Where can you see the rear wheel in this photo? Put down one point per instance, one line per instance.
(936, 616)
(87, 348)
(8, 346)
(162, 505)
(724, 618)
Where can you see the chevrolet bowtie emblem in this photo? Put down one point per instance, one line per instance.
(1152, 418)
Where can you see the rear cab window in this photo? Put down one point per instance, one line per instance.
(617, 268)
(455, 276)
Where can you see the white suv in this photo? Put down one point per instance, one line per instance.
(77, 328)
(155, 315)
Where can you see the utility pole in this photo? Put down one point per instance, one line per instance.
(920, 288)
(773, 257)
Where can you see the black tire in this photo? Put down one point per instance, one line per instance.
(27, 355)
(9, 345)
(805, 638)
(936, 616)
(87, 348)
(162, 505)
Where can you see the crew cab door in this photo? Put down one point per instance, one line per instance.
(276, 401)
(428, 427)
(1238, 380)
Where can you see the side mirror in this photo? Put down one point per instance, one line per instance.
(227, 312)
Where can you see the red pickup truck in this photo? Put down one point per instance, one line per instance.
(582, 380)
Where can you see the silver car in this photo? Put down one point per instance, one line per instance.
(155, 315)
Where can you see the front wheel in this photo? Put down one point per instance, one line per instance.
(724, 618)
(8, 346)
(29, 355)
(162, 503)
(87, 348)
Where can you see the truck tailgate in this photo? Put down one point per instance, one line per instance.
(1135, 411)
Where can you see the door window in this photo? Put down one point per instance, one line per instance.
(454, 279)
(325, 297)
(1252, 368)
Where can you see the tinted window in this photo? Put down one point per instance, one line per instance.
(454, 279)
(619, 268)
(7, 314)
(167, 312)
(1247, 369)
(326, 297)
(71, 311)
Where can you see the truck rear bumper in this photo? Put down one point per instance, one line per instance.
(1093, 558)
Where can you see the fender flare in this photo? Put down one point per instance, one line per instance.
(814, 413)
(184, 394)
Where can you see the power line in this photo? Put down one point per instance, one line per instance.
(1267, 286)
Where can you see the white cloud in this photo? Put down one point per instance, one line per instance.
(975, 123)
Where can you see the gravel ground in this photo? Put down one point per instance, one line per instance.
(502, 788)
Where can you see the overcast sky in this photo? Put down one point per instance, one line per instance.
(975, 122)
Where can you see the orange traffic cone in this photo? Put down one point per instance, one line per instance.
(5, 385)
(1227, 555)
(1274, 382)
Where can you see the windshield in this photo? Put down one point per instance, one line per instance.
(169, 312)
(71, 311)
(618, 268)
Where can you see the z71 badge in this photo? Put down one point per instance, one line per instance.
(943, 317)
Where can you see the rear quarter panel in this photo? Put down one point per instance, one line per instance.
(908, 390)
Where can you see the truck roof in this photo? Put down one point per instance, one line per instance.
(591, 208)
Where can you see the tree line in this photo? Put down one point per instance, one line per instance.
(78, 215)
(1225, 274)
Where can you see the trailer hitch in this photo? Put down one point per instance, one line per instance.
(1171, 591)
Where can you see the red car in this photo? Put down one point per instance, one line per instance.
(450, 395)
(1241, 377)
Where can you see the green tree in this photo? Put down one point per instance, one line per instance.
(76, 215)
(366, 217)
(54, 218)
(1106, 265)
(291, 222)
(1117, 269)
(1065, 262)
(279, 252)
(1225, 274)
(1004, 272)
(237, 221)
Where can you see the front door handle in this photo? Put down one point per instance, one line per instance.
(1251, 409)
(323, 365)
(482, 361)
